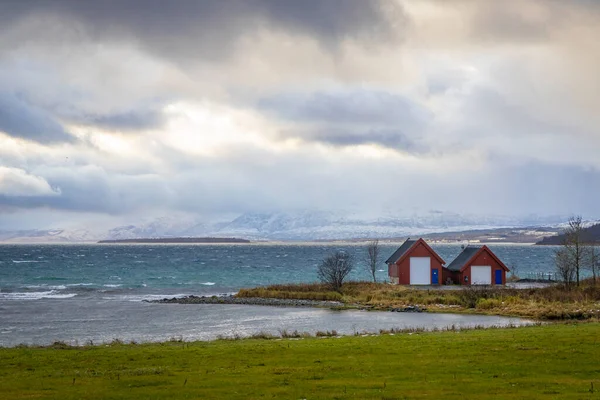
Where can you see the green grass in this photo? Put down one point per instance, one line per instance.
(547, 362)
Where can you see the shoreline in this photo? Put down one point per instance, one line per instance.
(329, 304)
(254, 301)
(231, 299)
(286, 334)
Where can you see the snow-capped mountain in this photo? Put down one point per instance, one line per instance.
(48, 236)
(304, 225)
(159, 227)
(328, 225)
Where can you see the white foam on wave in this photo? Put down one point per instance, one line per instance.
(51, 287)
(111, 285)
(51, 294)
(207, 283)
(27, 261)
(141, 297)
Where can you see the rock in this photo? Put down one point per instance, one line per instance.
(229, 299)
(409, 309)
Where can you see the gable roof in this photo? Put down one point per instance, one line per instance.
(406, 247)
(463, 258)
(400, 252)
(470, 253)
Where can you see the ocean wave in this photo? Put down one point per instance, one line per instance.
(50, 278)
(51, 294)
(111, 285)
(27, 261)
(207, 283)
(141, 297)
(51, 287)
(80, 284)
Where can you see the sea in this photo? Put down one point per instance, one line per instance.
(94, 293)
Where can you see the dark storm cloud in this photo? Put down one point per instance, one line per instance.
(210, 27)
(351, 117)
(123, 121)
(20, 119)
(390, 138)
(352, 107)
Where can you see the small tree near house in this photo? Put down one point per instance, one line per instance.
(334, 269)
(565, 269)
(573, 247)
(372, 258)
(593, 262)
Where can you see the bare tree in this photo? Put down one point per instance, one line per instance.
(565, 269)
(593, 262)
(373, 258)
(573, 244)
(334, 269)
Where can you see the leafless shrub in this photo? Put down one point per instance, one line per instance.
(593, 262)
(573, 251)
(334, 269)
(372, 258)
(565, 267)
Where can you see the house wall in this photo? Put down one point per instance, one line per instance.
(484, 258)
(392, 270)
(402, 270)
(452, 275)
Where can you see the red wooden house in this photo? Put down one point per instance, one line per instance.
(415, 263)
(476, 265)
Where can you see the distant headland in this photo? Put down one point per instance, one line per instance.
(589, 235)
(178, 240)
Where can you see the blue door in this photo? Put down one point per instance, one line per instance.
(498, 277)
(434, 276)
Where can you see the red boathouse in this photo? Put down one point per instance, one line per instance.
(415, 263)
(476, 265)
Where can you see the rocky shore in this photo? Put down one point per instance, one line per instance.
(258, 301)
(262, 301)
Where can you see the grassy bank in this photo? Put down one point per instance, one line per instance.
(553, 361)
(549, 303)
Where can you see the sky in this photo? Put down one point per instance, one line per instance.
(117, 110)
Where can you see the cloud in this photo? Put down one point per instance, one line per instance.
(215, 107)
(350, 117)
(390, 138)
(209, 28)
(134, 120)
(18, 183)
(346, 107)
(23, 120)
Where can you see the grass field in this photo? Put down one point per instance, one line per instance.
(547, 362)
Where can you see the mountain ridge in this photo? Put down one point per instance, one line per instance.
(301, 226)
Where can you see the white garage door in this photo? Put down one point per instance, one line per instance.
(420, 271)
(481, 275)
